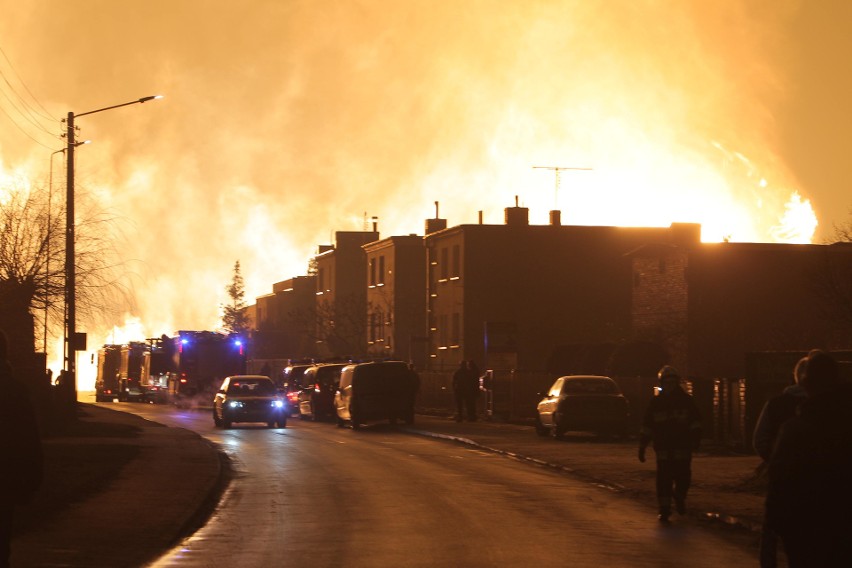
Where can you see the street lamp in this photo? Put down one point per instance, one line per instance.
(73, 342)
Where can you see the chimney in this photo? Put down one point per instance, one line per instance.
(556, 217)
(480, 217)
(517, 215)
(436, 224)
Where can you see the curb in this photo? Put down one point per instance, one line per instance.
(710, 517)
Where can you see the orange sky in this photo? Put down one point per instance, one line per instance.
(285, 121)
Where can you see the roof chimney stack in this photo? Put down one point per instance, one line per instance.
(436, 224)
(517, 215)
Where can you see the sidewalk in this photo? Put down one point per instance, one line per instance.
(120, 490)
(108, 498)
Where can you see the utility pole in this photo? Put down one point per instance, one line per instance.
(557, 170)
(75, 341)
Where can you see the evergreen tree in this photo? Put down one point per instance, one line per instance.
(234, 317)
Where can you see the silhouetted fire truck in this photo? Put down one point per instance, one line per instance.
(107, 384)
(157, 367)
(131, 372)
(202, 359)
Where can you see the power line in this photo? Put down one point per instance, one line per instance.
(27, 134)
(46, 114)
(22, 108)
(26, 115)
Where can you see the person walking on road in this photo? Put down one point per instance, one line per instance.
(809, 499)
(21, 471)
(775, 413)
(673, 424)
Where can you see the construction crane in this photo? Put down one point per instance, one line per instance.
(557, 170)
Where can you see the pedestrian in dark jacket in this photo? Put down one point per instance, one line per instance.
(21, 469)
(775, 413)
(673, 424)
(809, 501)
(465, 390)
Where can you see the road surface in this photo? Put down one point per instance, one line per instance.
(316, 495)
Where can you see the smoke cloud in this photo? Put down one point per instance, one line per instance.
(284, 121)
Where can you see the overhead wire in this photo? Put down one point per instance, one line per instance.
(46, 115)
(23, 108)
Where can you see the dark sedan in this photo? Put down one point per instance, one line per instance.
(588, 403)
(249, 398)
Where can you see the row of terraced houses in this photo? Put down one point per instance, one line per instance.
(533, 302)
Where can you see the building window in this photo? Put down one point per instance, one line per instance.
(381, 278)
(372, 272)
(445, 267)
(320, 280)
(456, 267)
(443, 329)
(455, 333)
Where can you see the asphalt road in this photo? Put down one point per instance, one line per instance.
(313, 494)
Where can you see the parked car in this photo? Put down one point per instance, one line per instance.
(383, 390)
(319, 385)
(249, 398)
(584, 403)
(291, 385)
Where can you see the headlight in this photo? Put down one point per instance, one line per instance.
(278, 404)
(235, 404)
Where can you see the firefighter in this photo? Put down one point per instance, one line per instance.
(673, 424)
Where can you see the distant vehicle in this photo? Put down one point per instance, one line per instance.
(107, 385)
(249, 398)
(588, 403)
(383, 390)
(130, 372)
(201, 359)
(319, 385)
(291, 384)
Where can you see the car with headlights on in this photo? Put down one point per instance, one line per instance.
(589, 403)
(249, 398)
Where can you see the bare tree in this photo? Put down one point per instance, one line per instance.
(832, 279)
(842, 232)
(32, 260)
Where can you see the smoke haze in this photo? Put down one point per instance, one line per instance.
(284, 121)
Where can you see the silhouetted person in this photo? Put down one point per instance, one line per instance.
(673, 424)
(775, 413)
(809, 502)
(21, 468)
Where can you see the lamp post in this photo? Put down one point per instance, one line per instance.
(73, 343)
